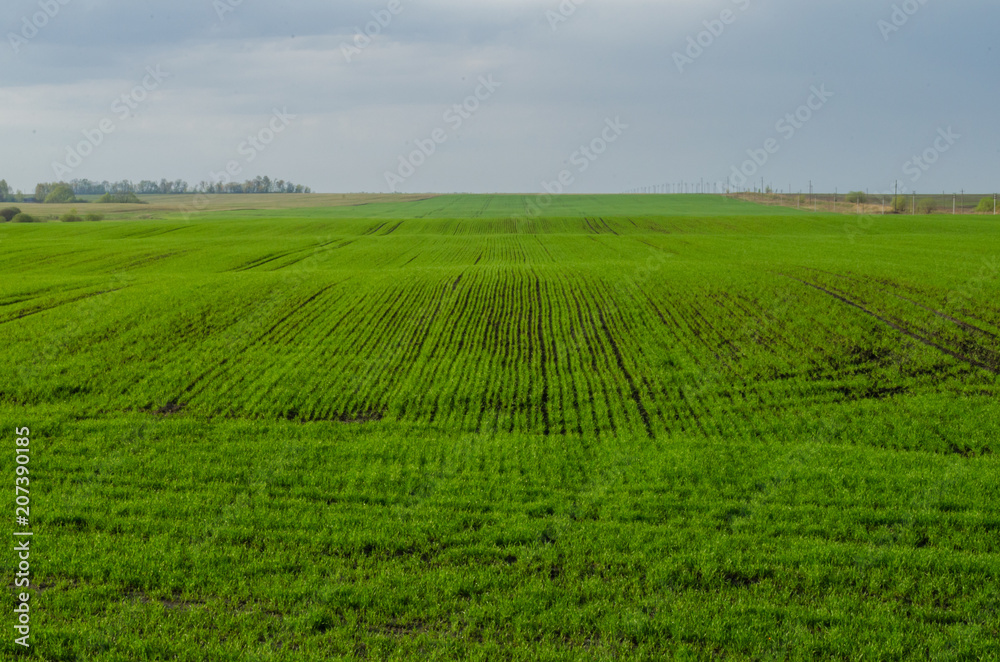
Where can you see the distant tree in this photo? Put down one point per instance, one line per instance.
(900, 204)
(4, 191)
(8, 214)
(857, 196)
(124, 186)
(24, 218)
(87, 187)
(60, 193)
(120, 199)
(70, 217)
(927, 206)
(93, 218)
(985, 206)
(259, 184)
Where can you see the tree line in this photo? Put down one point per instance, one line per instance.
(126, 189)
(179, 186)
(7, 196)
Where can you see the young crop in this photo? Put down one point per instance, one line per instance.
(441, 428)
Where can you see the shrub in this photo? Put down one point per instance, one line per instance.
(985, 206)
(9, 213)
(62, 193)
(927, 206)
(900, 204)
(120, 199)
(70, 217)
(24, 218)
(857, 196)
(93, 218)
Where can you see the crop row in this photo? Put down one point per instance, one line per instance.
(608, 332)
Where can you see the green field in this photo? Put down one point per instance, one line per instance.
(505, 427)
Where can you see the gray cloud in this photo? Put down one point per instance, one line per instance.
(355, 119)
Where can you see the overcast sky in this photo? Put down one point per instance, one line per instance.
(620, 78)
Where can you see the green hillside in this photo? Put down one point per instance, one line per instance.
(624, 427)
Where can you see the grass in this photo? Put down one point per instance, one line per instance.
(877, 203)
(624, 428)
(163, 206)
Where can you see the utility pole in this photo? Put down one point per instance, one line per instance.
(954, 201)
(913, 208)
(895, 194)
(963, 201)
